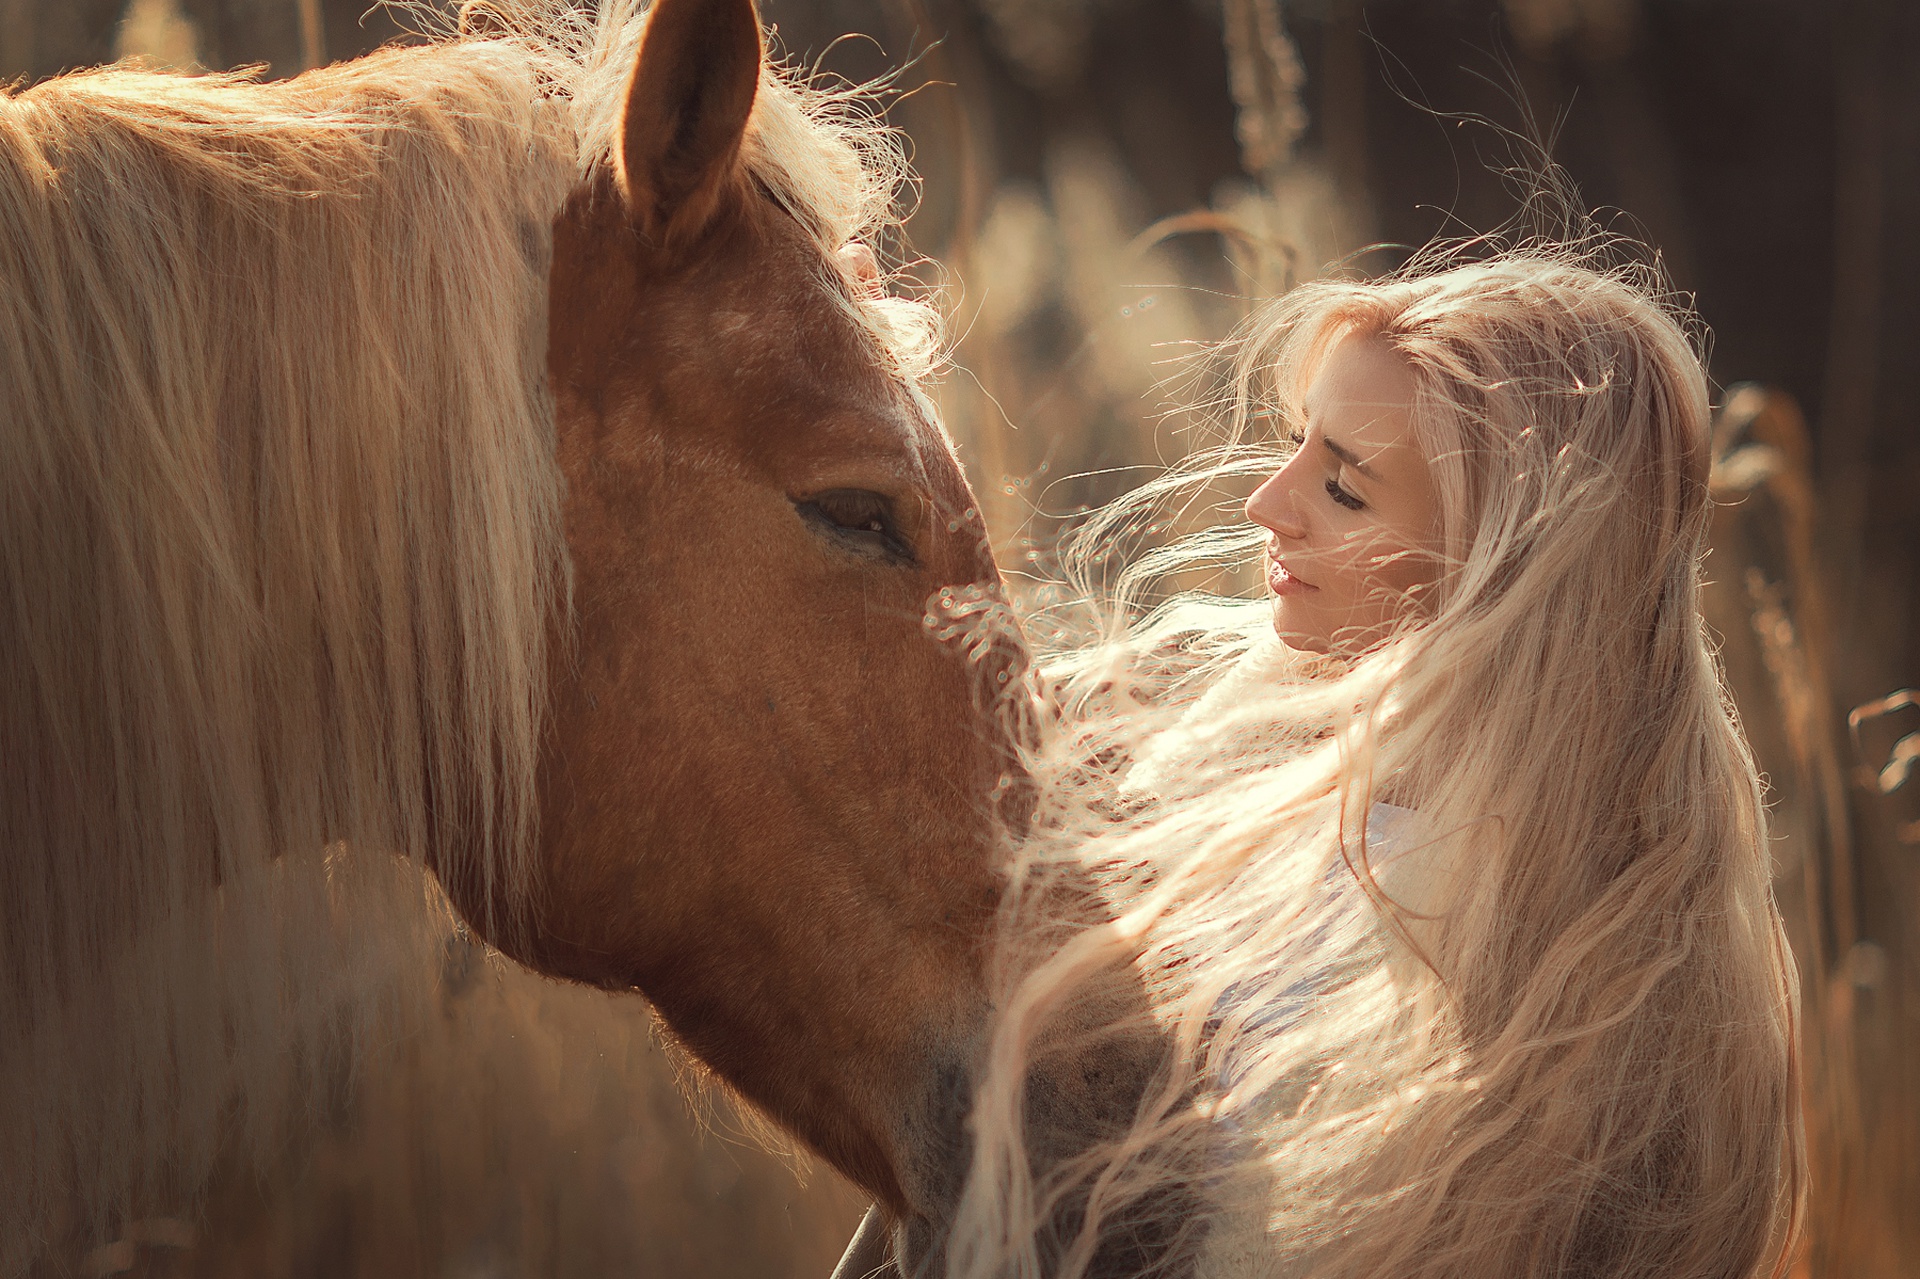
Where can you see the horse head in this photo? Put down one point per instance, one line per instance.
(771, 797)
(387, 479)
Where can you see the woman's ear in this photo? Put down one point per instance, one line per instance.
(688, 102)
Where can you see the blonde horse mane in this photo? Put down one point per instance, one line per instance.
(282, 548)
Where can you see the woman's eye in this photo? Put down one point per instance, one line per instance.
(858, 519)
(1343, 497)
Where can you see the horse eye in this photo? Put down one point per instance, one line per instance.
(858, 519)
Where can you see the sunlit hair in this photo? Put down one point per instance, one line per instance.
(281, 548)
(1543, 1022)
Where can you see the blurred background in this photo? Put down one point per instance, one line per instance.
(1106, 185)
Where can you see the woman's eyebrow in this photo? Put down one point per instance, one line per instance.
(1351, 458)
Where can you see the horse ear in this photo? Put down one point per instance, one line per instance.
(687, 105)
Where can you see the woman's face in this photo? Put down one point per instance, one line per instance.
(1352, 518)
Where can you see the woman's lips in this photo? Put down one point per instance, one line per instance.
(1281, 582)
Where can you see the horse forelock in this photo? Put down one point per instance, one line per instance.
(281, 545)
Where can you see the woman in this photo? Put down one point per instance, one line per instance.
(1449, 861)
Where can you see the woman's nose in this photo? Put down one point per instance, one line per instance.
(1273, 508)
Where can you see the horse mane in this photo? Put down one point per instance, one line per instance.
(279, 520)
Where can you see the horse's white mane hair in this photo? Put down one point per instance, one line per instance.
(279, 519)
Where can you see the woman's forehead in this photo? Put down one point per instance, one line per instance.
(1363, 391)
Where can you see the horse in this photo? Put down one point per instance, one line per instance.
(500, 456)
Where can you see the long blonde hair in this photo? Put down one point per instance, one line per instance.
(1544, 1025)
(280, 536)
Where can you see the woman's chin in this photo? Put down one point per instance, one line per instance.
(1293, 635)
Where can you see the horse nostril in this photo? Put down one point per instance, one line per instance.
(1098, 1102)
(1080, 1103)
